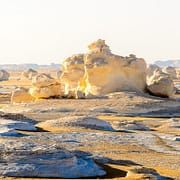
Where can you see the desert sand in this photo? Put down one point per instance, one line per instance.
(134, 135)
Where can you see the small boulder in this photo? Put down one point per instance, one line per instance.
(4, 75)
(21, 95)
(29, 73)
(54, 90)
(161, 84)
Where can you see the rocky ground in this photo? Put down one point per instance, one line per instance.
(123, 135)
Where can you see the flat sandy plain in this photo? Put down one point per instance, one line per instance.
(144, 143)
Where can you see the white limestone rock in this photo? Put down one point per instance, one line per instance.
(161, 84)
(44, 86)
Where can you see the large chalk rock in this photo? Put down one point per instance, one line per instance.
(21, 95)
(4, 75)
(171, 71)
(44, 86)
(161, 84)
(23, 158)
(106, 72)
(29, 73)
(73, 71)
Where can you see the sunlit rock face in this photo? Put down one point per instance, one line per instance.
(4, 75)
(44, 86)
(171, 71)
(106, 72)
(161, 84)
(29, 73)
(21, 95)
(73, 71)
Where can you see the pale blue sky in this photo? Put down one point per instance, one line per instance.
(48, 31)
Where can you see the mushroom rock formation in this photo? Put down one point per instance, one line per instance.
(171, 71)
(72, 72)
(21, 95)
(161, 84)
(29, 73)
(44, 86)
(106, 72)
(4, 75)
(150, 70)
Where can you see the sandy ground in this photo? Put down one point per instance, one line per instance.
(128, 151)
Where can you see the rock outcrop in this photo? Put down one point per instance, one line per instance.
(161, 84)
(100, 72)
(171, 71)
(21, 95)
(4, 75)
(29, 73)
(44, 86)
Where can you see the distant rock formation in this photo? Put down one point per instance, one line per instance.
(161, 84)
(44, 86)
(100, 72)
(29, 73)
(29, 66)
(171, 71)
(165, 63)
(4, 75)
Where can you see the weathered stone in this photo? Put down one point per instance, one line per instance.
(21, 95)
(106, 72)
(161, 84)
(43, 80)
(29, 73)
(4, 75)
(100, 72)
